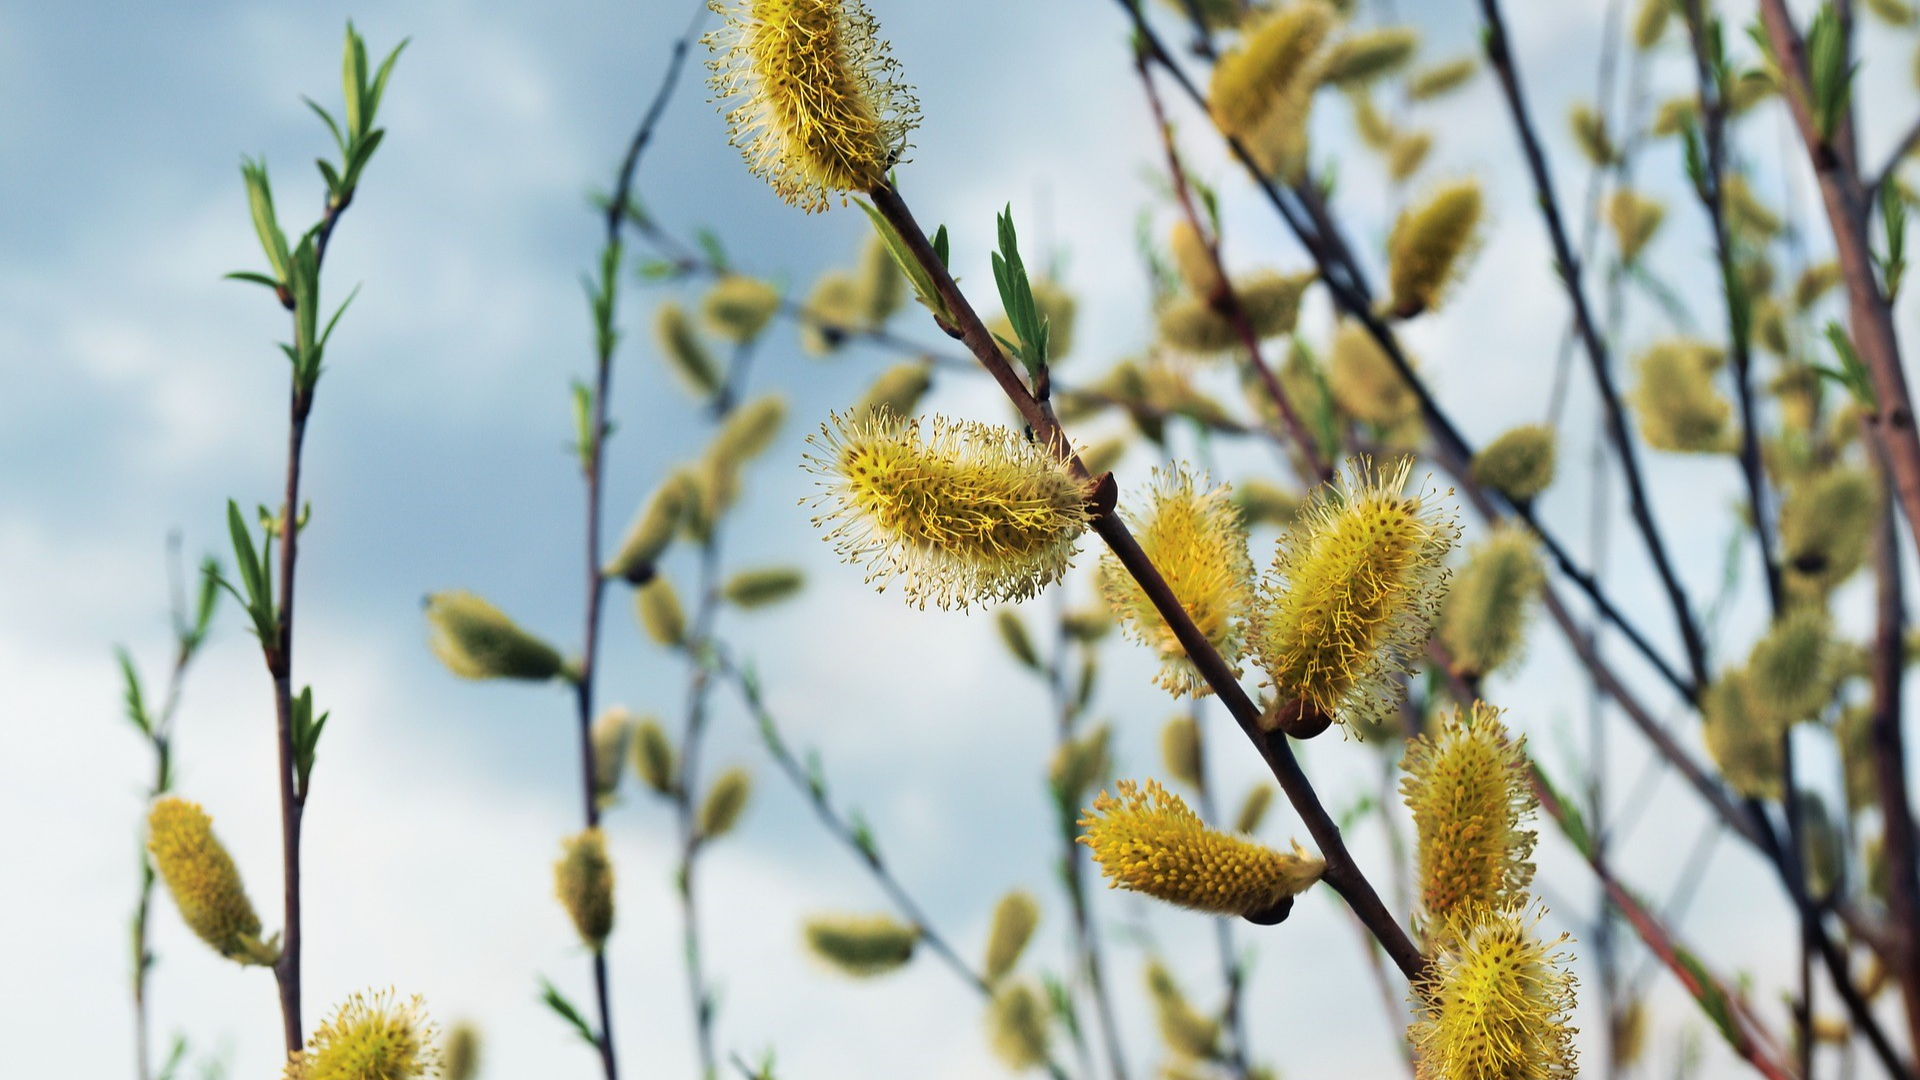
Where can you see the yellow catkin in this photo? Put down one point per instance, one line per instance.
(1194, 534)
(476, 640)
(1519, 464)
(372, 1036)
(1746, 213)
(861, 945)
(1496, 1004)
(1894, 12)
(1750, 88)
(652, 531)
(1860, 764)
(1674, 396)
(1650, 23)
(1080, 763)
(1635, 219)
(1252, 82)
(583, 882)
(898, 390)
(1590, 134)
(1814, 283)
(1014, 919)
(1430, 244)
(763, 587)
(1743, 735)
(1793, 667)
(1630, 1023)
(685, 353)
(1180, 750)
(1187, 1032)
(831, 313)
(462, 1052)
(818, 105)
(738, 308)
(958, 512)
(1675, 115)
(612, 734)
(1364, 381)
(1017, 1019)
(726, 801)
(1103, 455)
(1375, 130)
(1353, 593)
(653, 756)
(657, 605)
(1058, 307)
(204, 882)
(1263, 503)
(749, 430)
(1441, 79)
(1467, 787)
(878, 283)
(1253, 809)
(1406, 152)
(1484, 622)
(1825, 527)
(1191, 260)
(1148, 841)
(1360, 58)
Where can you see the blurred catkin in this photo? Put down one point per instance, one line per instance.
(1364, 381)
(1406, 152)
(749, 430)
(1182, 1027)
(818, 105)
(1014, 920)
(462, 1052)
(1014, 635)
(371, 1037)
(1743, 735)
(1360, 58)
(612, 738)
(1253, 809)
(832, 312)
(1180, 750)
(1194, 534)
(1017, 1020)
(763, 587)
(1441, 79)
(657, 606)
(1826, 522)
(1148, 841)
(1191, 260)
(652, 531)
(957, 511)
(1815, 282)
(476, 640)
(861, 945)
(1467, 787)
(898, 389)
(1264, 503)
(683, 350)
(1635, 220)
(204, 882)
(1081, 763)
(879, 286)
(1353, 593)
(1793, 668)
(1678, 406)
(1483, 623)
(1591, 136)
(1496, 1003)
(1519, 464)
(737, 308)
(726, 801)
(583, 881)
(1429, 245)
(1251, 82)
(653, 756)
(1650, 23)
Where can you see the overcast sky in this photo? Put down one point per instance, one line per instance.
(138, 392)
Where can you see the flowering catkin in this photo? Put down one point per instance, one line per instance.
(1017, 1026)
(477, 641)
(1468, 790)
(1252, 82)
(1519, 464)
(898, 389)
(1149, 841)
(1014, 920)
(726, 801)
(738, 307)
(204, 882)
(683, 350)
(1194, 534)
(1353, 593)
(1183, 1028)
(1429, 244)
(1441, 79)
(1674, 397)
(861, 945)
(583, 881)
(371, 1037)
(819, 105)
(957, 511)
(651, 532)
(1635, 219)
(1495, 1004)
(612, 735)
(1483, 623)
(1744, 735)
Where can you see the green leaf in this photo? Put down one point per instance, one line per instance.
(1712, 999)
(379, 87)
(1016, 297)
(658, 270)
(362, 153)
(207, 601)
(1571, 822)
(863, 836)
(1852, 373)
(565, 1009)
(306, 734)
(716, 254)
(265, 225)
(327, 117)
(257, 279)
(940, 246)
(1829, 75)
(917, 275)
(1893, 217)
(135, 701)
(353, 80)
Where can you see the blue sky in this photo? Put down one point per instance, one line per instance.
(138, 392)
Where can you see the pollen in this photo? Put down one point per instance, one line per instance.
(1467, 787)
(818, 107)
(1194, 534)
(958, 512)
(1353, 593)
(371, 1037)
(1149, 841)
(1497, 1004)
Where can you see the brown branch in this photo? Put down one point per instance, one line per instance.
(1890, 762)
(1343, 875)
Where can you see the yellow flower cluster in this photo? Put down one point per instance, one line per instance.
(204, 882)
(371, 1037)
(1467, 786)
(1496, 1004)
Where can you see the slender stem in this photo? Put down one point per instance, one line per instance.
(1890, 759)
(286, 971)
(1501, 58)
(1343, 874)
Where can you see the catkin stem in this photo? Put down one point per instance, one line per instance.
(1343, 875)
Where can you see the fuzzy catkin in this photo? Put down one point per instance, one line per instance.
(652, 531)
(653, 756)
(1014, 919)
(1519, 464)
(763, 587)
(1147, 840)
(1675, 399)
(1180, 750)
(1183, 1028)
(371, 1037)
(1442, 79)
(612, 735)
(861, 945)
(738, 308)
(726, 801)
(1468, 790)
(1483, 623)
(1429, 244)
(476, 640)
(204, 882)
(657, 605)
(686, 355)
(898, 389)
(1017, 1026)
(1496, 1004)
(583, 881)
